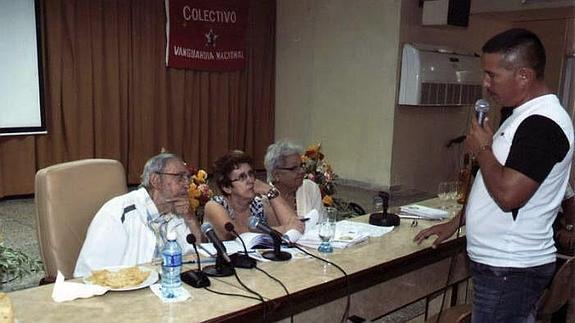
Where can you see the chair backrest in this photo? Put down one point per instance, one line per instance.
(559, 291)
(456, 314)
(67, 197)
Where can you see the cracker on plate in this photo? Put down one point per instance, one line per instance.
(117, 279)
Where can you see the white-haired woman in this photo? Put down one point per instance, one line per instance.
(285, 171)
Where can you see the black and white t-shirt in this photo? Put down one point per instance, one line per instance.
(537, 141)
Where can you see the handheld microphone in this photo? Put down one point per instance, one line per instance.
(209, 232)
(275, 255)
(481, 109)
(195, 278)
(239, 260)
(223, 265)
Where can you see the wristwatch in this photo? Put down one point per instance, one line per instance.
(272, 193)
(569, 227)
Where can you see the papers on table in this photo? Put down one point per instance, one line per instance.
(370, 230)
(347, 234)
(232, 246)
(424, 211)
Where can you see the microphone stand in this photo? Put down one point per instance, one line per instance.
(276, 254)
(221, 269)
(195, 278)
(239, 260)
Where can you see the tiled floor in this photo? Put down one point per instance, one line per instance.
(18, 229)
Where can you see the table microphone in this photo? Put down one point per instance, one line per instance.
(195, 278)
(209, 232)
(239, 260)
(224, 266)
(481, 109)
(276, 255)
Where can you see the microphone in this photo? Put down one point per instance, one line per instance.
(209, 232)
(223, 265)
(195, 278)
(481, 109)
(276, 255)
(239, 260)
(383, 218)
(255, 224)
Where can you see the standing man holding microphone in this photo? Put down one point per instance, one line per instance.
(524, 170)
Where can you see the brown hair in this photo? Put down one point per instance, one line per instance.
(226, 164)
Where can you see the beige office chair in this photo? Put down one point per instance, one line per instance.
(559, 292)
(68, 195)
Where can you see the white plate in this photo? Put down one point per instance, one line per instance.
(152, 278)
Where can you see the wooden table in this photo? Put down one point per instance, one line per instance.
(383, 275)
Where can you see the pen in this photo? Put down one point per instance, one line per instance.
(304, 219)
(202, 261)
(416, 217)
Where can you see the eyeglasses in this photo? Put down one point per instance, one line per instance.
(244, 176)
(182, 177)
(300, 167)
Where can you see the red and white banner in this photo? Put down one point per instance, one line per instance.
(206, 34)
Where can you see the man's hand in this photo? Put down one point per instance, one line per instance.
(479, 137)
(442, 231)
(177, 205)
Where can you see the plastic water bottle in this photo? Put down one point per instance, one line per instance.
(171, 266)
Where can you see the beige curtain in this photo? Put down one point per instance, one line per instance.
(108, 93)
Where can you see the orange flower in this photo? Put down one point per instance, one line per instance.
(199, 192)
(313, 152)
(194, 204)
(327, 200)
(200, 177)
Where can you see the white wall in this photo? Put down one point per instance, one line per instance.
(336, 66)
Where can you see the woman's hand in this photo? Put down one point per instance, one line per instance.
(261, 188)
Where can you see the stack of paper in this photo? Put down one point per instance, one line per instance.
(347, 234)
(340, 241)
(424, 211)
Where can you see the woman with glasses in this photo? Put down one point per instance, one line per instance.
(285, 171)
(244, 196)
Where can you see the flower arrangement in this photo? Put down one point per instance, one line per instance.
(199, 192)
(319, 170)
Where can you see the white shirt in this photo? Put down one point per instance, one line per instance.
(119, 234)
(308, 197)
(493, 237)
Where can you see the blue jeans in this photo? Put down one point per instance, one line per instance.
(506, 294)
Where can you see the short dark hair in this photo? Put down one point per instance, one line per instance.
(519, 47)
(226, 164)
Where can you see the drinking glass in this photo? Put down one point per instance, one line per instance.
(326, 230)
(454, 191)
(443, 190)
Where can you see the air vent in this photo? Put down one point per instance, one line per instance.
(449, 94)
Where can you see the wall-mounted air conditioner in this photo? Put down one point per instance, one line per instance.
(437, 76)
